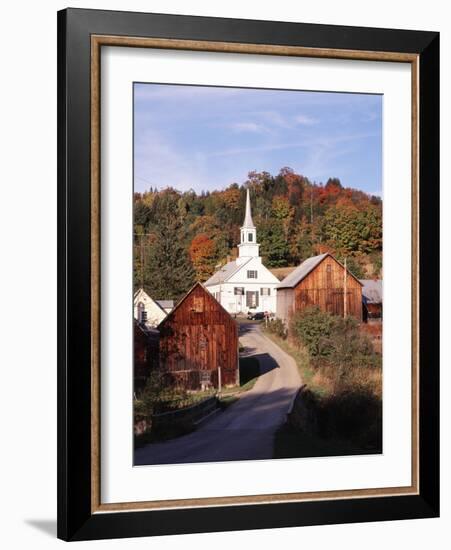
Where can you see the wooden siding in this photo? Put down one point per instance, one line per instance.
(145, 347)
(324, 287)
(195, 339)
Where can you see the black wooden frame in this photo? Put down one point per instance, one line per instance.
(75, 520)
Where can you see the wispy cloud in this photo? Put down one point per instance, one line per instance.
(318, 143)
(306, 120)
(247, 127)
(208, 137)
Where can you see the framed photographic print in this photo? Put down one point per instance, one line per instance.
(248, 274)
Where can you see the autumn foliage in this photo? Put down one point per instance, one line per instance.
(295, 219)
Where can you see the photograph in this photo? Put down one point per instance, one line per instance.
(257, 273)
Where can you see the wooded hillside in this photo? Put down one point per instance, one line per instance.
(179, 237)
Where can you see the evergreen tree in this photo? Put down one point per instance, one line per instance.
(169, 273)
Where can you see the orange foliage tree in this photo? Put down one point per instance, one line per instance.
(202, 252)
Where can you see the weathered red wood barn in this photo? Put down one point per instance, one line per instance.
(145, 347)
(320, 281)
(199, 343)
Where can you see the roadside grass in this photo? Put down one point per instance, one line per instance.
(344, 404)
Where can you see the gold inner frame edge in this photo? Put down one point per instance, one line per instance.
(97, 41)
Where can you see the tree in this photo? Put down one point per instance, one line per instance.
(203, 256)
(274, 246)
(350, 230)
(169, 273)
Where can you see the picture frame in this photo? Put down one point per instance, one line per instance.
(81, 36)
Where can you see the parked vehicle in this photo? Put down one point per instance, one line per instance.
(255, 316)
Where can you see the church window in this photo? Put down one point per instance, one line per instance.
(250, 237)
(265, 291)
(251, 299)
(251, 274)
(238, 291)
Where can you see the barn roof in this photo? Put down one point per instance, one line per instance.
(301, 271)
(224, 274)
(308, 265)
(372, 290)
(196, 284)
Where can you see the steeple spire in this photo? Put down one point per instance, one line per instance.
(248, 248)
(248, 223)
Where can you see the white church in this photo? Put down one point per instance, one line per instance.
(245, 284)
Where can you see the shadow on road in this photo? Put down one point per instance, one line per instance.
(245, 326)
(245, 431)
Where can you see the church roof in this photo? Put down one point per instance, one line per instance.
(223, 274)
(248, 223)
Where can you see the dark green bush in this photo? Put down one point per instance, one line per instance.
(277, 327)
(312, 328)
(336, 338)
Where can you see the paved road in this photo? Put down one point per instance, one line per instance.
(246, 429)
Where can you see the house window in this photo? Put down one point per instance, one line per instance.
(265, 292)
(238, 291)
(251, 274)
(250, 237)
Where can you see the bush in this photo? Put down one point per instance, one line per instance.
(312, 328)
(277, 327)
(159, 397)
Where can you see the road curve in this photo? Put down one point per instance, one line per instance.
(244, 431)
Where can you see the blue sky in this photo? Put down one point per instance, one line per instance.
(205, 138)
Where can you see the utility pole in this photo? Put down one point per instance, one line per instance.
(142, 261)
(312, 230)
(345, 293)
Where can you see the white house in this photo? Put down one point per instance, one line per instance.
(146, 310)
(245, 284)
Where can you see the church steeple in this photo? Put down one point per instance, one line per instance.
(248, 223)
(248, 248)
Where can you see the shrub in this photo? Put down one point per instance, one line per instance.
(312, 328)
(158, 396)
(277, 327)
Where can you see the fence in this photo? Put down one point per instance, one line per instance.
(184, 420)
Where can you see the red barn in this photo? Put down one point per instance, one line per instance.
(145, 347)
(199, 343)
(320, 281)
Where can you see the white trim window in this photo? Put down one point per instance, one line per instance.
(251, 273)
